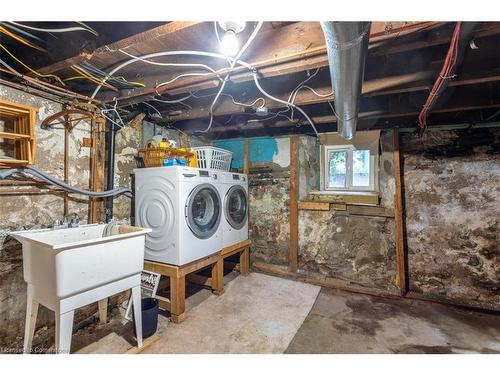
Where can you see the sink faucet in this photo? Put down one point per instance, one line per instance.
(74, 222)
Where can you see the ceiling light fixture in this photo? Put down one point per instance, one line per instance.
(229, 43)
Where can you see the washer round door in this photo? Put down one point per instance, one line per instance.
(204, 210)
(236, 206)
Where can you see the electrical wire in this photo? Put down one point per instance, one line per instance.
(63, 30)
(3, 30)
(149, 105)
(226, 78)
(120, 79)
(445, 74)
(30, 69)
(181, 76)
(38, 83)
(91, 78)
(203, 66)
(20, 31)
(205, 54)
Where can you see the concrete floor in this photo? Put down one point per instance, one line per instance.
(338, 322)
(342, 322)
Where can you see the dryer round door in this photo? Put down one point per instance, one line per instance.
(236, 206)
(204, 210)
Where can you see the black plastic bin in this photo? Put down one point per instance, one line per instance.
(149, 307)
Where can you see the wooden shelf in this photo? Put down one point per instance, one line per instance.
(23, 119)
(14, 135)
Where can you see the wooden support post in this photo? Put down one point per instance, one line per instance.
(402, 277)
(245, 262)
(246, 158)
(218, 277)
(67, 125)
(294, 228)
(103, 310)
(177, 297)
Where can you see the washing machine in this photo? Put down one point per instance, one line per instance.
(234, 192)
(183, 208)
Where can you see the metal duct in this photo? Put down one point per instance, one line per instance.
(347, 47)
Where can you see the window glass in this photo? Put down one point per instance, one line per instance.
(361, 168)
(337, 167)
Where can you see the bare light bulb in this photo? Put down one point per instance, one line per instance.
(229, 44)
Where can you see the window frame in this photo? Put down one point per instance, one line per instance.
(325, 170)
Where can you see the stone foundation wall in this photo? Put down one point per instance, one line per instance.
(452, 194)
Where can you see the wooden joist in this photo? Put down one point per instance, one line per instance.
(402, 277)
(296, 47)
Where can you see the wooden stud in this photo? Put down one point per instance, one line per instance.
(67, 125)
(246, 157)
(294, 229)
(185, 140)
(402, 280)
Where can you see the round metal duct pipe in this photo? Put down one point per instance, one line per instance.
(347, 47)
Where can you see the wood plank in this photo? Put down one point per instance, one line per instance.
(331, 119)
(286, 50)
(198, 264)
(145, 344)
(314, 206)
(168, 29)
(320, 280)
(200, 279)
(402, 279)
(7, 135)
(378, 211)
(294, 215)
(229, 250)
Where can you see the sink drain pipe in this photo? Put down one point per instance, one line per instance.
(110, 170)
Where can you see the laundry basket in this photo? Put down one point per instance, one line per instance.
(213, 158)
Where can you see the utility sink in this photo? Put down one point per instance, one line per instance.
(69, 268)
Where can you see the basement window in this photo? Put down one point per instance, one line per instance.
(349, 167)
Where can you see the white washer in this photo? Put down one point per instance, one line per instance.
(183, 207)
(234, 194)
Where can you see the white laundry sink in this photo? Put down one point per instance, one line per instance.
(69, 268)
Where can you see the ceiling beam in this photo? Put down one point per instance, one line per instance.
(331, 119)
(376, 87)
(286, 50)
(144, 37)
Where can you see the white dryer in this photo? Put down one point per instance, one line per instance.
(183, 207)
(234, 194)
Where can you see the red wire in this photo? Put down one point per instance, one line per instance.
(448, 65)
